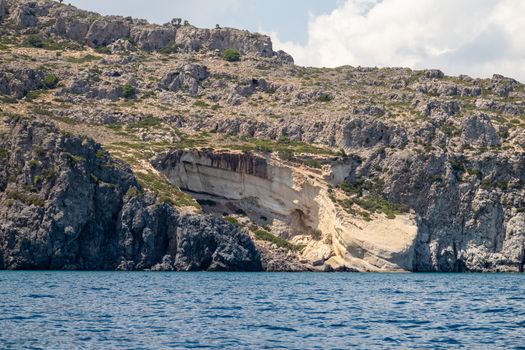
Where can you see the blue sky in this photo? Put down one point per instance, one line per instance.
(474, 37)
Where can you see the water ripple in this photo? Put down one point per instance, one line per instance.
(73, 310)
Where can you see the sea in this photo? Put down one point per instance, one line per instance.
(146, 310)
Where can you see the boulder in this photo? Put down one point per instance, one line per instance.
(120, 46)
(19, 82)
(25, 15)
(284, 57)
(249, 87)
(152, 38)
(72, 27)
(434, 74)
(478, 129)
(107, 30)
(186, 78)
(502, 86)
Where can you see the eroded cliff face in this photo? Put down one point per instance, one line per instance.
(295, 203)
(358, 168)
(65, 204)
(452, 225)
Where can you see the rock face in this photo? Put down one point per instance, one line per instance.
(65, 204)
(72, 27)
(299, 203)
(98, 31)
(186, 79)
(18, 83)
(362, 168)
(3, 9)
(152, 38)
(106, 31)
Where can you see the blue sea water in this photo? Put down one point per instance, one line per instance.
(121, 310)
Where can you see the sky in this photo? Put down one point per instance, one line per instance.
(474, 37)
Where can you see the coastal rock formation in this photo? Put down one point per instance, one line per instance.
(311, 169)
(298, 205)
(65, 204)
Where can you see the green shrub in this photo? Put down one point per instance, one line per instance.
(41, 41)
(128, 91)
(25, 198)
(232, 221)
(37, 180)
(3, 153)
(457, 166)
(146, 122)
(375, 203)
(324, 97)
(50, 81)
(475, 172)
(165, 191)
(34, 40)
(33, 163)
(286, 154)
(264, 235)
(132, 192)
(48, 174)
(83, 59)
(312, 163)
(231, 55)
(201, 104)
(103, 50)
(42, 111)
(173, 48)
(100, 154)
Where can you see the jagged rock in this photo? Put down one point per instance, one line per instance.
(469, 91)
(186, 78)
(358, 133)
(434, 74)
(72, 27)
(243, 41)
(97, 31)
(312, 96)
(120, 46)
(106, 30)
(502, 85)
(450, 108)
(64, 203)
(421, 145)
(25, 15)
(91, 87)
(284, 57)
(3, 9)
(249, 87)
(18, 83)
(151, 38)
(499, 107)
(479, 129)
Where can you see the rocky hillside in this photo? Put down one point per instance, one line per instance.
(65, 204)
(350, 168)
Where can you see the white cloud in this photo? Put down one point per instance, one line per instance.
(476, 37)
